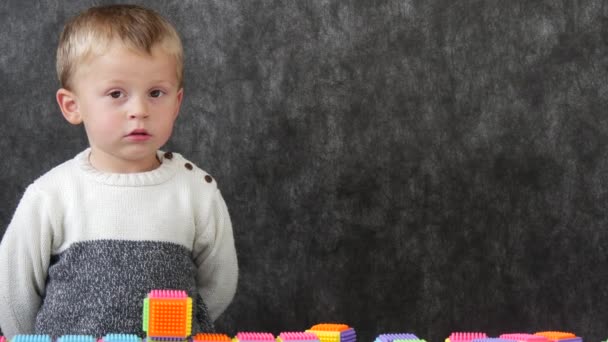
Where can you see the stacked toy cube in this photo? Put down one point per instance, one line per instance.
(331, 332)
(167, 316)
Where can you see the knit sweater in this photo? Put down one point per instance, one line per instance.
(85, 247)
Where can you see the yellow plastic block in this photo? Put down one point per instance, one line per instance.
(326, 336)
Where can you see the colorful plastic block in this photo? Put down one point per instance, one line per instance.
(465, 336)
(561, 336)
(492, 339)
(254, 337)
(330, 327)
(524, 337)
(31, 338)
(209, 337)
(396, 337)
(333, 332)
(297, 336)
(167, 314)
(121, 338)
(76, 338)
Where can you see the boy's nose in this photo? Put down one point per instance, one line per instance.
(139, 114)
(139, 109)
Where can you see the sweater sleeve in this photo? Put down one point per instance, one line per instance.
(24, 260)
(215, 258)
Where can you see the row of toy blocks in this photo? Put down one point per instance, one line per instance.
(316, 333)
(295, 336)
(324, 332)
(73, 338)
(542, 336)
(202, 337)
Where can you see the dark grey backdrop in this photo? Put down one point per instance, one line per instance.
(396, 165)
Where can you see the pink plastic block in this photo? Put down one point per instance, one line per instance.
(255, 336)
(298, 336)
(167, 294)
(521, 337)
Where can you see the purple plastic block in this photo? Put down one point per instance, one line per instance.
(492, 339)
(392, 337)
(348, 335)
(466, 336)
(572, 339)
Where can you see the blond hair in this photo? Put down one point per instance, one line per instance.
(91, 32)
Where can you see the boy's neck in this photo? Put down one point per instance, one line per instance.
(111, 164)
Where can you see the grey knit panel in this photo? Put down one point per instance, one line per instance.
(98, 287)
(201, 315)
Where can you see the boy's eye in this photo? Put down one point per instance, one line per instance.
(156, 93)
(116, 94)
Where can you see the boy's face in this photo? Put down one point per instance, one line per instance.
(128, 102)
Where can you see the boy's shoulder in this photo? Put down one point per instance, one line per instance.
(60, 175)
(188, 169)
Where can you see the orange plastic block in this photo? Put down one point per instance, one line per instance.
(329, 327)
(557, 335)
(169, 314)
(204, 337)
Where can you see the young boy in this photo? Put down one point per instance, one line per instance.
(94, 235)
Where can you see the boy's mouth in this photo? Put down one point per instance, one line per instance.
(138, 132)
(138, 135)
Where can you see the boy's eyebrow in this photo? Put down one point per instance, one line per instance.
(154, 81)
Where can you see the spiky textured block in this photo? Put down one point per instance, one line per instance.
(76, 338)
(209, 337)
(465, 336)
(121, 338)
(167, 314)
(297, 336)
(31, 338)
(561, 336)
(395, 337)
(246, 336)
(333, 332)
(524, 337)
(330, 327)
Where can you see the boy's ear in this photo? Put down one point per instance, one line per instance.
(68, 103)
(180, 97)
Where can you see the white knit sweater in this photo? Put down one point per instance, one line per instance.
(84, 247)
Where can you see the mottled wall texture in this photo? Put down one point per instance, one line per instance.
(396, 165)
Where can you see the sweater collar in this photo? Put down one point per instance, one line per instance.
(163, 173)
